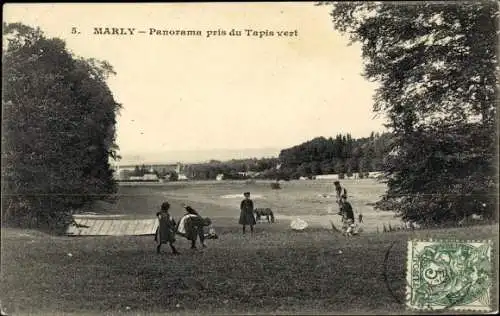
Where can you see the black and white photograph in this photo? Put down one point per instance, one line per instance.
(250, 158)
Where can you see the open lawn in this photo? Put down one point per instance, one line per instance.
(313, 201)
(274, 271)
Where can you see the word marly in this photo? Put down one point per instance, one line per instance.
(114, 31)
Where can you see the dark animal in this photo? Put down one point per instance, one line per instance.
(267, 212)
(194, 227)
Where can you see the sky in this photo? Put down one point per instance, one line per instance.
(193, 98)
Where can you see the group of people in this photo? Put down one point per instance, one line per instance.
(346, 211)
(191, 226)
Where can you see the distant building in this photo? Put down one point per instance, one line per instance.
(375, 174)
(250, 174)
(327, 177)
(182, 177)
(153, 167)
(150, 177)
(123, 174)
(220, 177)
(146, 177)
(180, 168)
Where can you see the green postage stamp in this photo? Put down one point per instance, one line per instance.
(454, 275)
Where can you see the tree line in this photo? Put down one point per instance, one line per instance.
(342, 155)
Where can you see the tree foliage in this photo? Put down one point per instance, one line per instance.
(315, 157)
(58, 129)
(235, 169)
(342, 155)
(437, 68)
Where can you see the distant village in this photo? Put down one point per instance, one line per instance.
(152, 173)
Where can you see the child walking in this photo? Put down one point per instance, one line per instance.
(165, 233)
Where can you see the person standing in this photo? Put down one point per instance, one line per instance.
(246, 213)
(165, 233)
(341, 193)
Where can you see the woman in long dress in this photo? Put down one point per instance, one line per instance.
(165, 233)
(191, 226)
(246, 213)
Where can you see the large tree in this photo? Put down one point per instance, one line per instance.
(436, 66)
(58, 130)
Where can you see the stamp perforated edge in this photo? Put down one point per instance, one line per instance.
(459, 308)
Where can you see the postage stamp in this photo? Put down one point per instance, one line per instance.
(445, 274)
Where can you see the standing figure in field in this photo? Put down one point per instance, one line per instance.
(246, 214)
(191, 226)
(360, 218)
(165, 233)
(341, 193)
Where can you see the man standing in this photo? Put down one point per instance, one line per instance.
(340, 190)
(246, 214)
(341, 194)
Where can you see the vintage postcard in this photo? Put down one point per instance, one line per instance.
(249, 158)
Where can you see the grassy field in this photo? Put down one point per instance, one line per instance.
(310, 200)
(276, 270)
